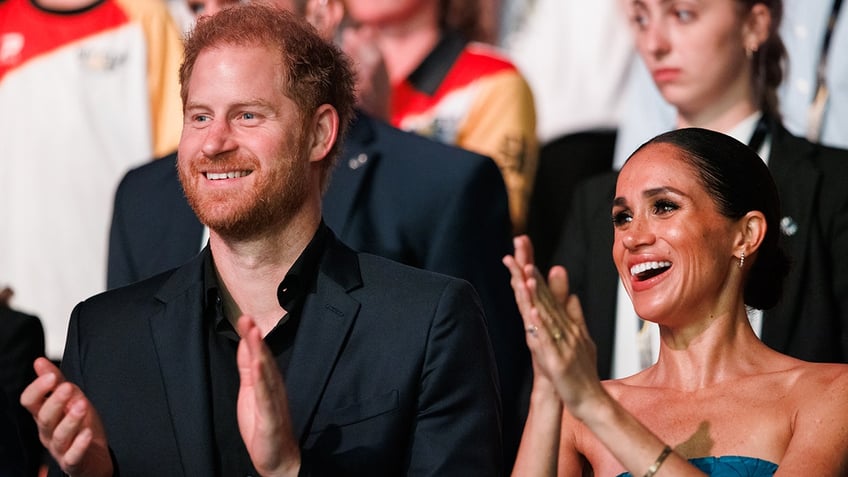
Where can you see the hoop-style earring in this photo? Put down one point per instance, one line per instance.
(741, 259)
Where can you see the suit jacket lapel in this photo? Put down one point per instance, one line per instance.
(797, 181)
(178, 335)
(326, 321)
(177, 331)
(357, 159)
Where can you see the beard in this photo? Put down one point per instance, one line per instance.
(277, 195)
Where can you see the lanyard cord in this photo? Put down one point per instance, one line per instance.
(821, 74)
(759, 135)
(816, 113)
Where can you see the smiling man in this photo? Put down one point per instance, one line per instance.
(278, 350)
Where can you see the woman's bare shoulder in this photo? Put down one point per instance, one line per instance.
(818, 379)
(819, 430)
(786, 375)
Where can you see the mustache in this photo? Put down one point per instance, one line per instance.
(224, 162)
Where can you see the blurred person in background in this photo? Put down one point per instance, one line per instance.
(88, 89)
(813, 95)
(445, 85)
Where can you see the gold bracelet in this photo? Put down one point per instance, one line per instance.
(659, 462)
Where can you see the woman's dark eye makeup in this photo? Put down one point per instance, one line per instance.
(665, 205)
(659, 207)
(621, 217)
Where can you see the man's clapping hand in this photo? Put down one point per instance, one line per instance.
(263, 410)
(68, 425)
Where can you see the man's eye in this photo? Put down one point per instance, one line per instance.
(248, 116)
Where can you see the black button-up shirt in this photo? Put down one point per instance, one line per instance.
(222, 343)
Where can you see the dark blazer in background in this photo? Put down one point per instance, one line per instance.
(811, 320)
(21, 341)
(563, 163)
(393, 194)
(381, 380)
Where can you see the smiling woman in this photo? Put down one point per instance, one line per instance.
(706, 193)
(718, 62)
(696, 219)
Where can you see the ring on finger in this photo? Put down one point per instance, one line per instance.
(532, 329)
(556, 334)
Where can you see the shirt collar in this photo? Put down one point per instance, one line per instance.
(743, 131)
(299, 281)
(753, 131)
(428, 76)
(301, 277)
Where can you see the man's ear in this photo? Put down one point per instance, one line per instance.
(324, 130)
(752, 231)
(325, 16)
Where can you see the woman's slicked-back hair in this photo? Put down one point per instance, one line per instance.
(316, 72)
(739, 182)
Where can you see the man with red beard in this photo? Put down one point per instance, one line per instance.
(278, 350)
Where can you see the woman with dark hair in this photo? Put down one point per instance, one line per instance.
(696, 218)
(718, 63)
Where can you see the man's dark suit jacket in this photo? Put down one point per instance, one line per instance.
(811, 320)
(393, 194)
(381, 380)
(21, 341)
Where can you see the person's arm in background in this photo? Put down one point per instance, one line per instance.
(501, 124)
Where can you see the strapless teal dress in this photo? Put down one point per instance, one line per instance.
(731, 466)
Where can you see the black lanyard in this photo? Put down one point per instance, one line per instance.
(821, 74)
(759, 135)
(815, 115)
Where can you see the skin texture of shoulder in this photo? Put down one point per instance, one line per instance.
(794, 410)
